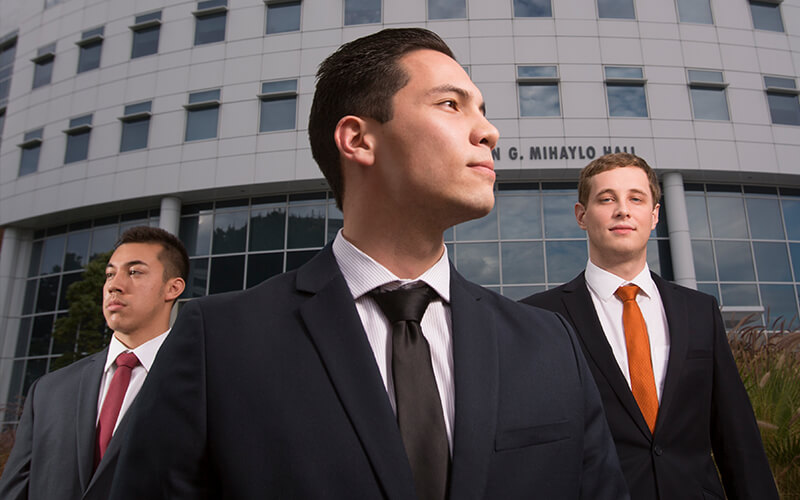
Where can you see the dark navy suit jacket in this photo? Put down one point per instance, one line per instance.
(274, 392)
(53, 455)
(704, 406)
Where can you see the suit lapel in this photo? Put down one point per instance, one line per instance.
(335, 328)
(583, 316)
(677, 314)
(86, 419)
(475, 362)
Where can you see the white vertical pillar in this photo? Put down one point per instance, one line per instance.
(14, 256)
(680, 242)
(170, 217)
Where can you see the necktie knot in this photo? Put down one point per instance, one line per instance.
(404, 304)
(127, 359)
(627, 292)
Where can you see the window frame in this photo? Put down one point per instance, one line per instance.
(621, 81)
(200, 106)
(543, 80)
(207, 9)
(272, 3)
(720, 85)
(33, 139)
(771, 89)
(776, 4)
(143, 23)
(44, 55)
(90, 39)
(78, 126)
(132, 115)
(277, 95)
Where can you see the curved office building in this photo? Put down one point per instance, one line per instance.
(192, 115)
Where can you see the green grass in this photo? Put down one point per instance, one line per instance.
(769, 363)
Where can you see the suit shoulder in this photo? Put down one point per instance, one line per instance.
(69, 374)
(692, 295)
(524, 313)
(265, 293)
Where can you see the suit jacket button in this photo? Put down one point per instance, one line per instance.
(657, 450)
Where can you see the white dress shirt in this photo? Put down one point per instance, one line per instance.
(363, 274)
(146, 354)
(602, 285)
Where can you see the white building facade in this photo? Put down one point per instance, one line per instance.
(192, 115)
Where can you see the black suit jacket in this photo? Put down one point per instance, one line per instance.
(704, 405)
(274, 392)
(53, 455)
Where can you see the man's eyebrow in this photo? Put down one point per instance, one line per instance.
(463, 93)
(128, 264)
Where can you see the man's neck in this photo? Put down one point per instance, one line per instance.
(135, 339)
(626, 270)
(407, 257)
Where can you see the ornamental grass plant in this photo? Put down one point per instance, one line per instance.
(768, 357)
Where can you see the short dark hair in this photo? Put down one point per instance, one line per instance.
(360, 79)
(173, 255)
(610, 162)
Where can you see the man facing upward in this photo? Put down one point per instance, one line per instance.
(670, 387)
(303, 387)
(69, 436)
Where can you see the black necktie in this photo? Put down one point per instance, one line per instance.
(419, 409)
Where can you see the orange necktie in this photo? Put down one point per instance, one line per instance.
(640, 366)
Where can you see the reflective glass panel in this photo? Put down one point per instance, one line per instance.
(335, 221)
(297, 259)
(227, 274)
(77, 147)
(66, 281)
(40, 335)
(52, 255)
(77, 251)
(230, 232)
(710, 289)
(764, 216)
(520, 292)
(195, 233)
(766, 16)
(210, 28)
(727, 217)
(43, 73)
(306, 226)
(283, 17)
(103, 239)
(478, 262)
(565, 259)
(695, 11)
(559, 217)
(698, 216)
(263, 266)
(48, 294)
(791, 217)
(201, 123)
(198, 278)
(278, 114)
(134, 135)
(267, 225)
(709, 104)
(739, 295)
(362, 12)
(784, 108)
(779, 304)
(23, 337)
(89, 57)
(772, 261)
(523, 262)
(145, 41)
(704, 268)
(734, 261)
(484, 228)
(447, 9)
(539, 99)
(520, 216)
(30, 294)
(29, 160)
(532, 8)
(626, 100)
(616, 9)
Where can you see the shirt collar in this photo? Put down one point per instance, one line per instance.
(604, 283)
(363, 273)
(145, 352)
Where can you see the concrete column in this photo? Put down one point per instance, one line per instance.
(14, 256)
(170, 217)
(680, 242)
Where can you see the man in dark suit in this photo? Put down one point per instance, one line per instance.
(300, 387)
(66, 446)
(670, 408)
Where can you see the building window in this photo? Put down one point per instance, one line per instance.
(447, 9)
(91, 45)
(532, 8)
(146, 30)
(135, 126)
(8, 50)
(766, 15)
(616, 9)
(695, 11)
(50, 3)
(707, 89)
(2, 123)
(78, 138)
(538, 91)
(278, 105)
(282, 16)
(210, 19)
(43, 65)
(784, 107)
(202, 115)
(625, 91)
(362, 12)
(29, 160)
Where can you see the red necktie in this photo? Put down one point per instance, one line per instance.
(111, 405)
(640, 366)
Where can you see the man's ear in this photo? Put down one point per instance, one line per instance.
(655, 216)
(354, 140)
(174, 289)
(580, 212)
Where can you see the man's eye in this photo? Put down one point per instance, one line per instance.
(450, 103)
